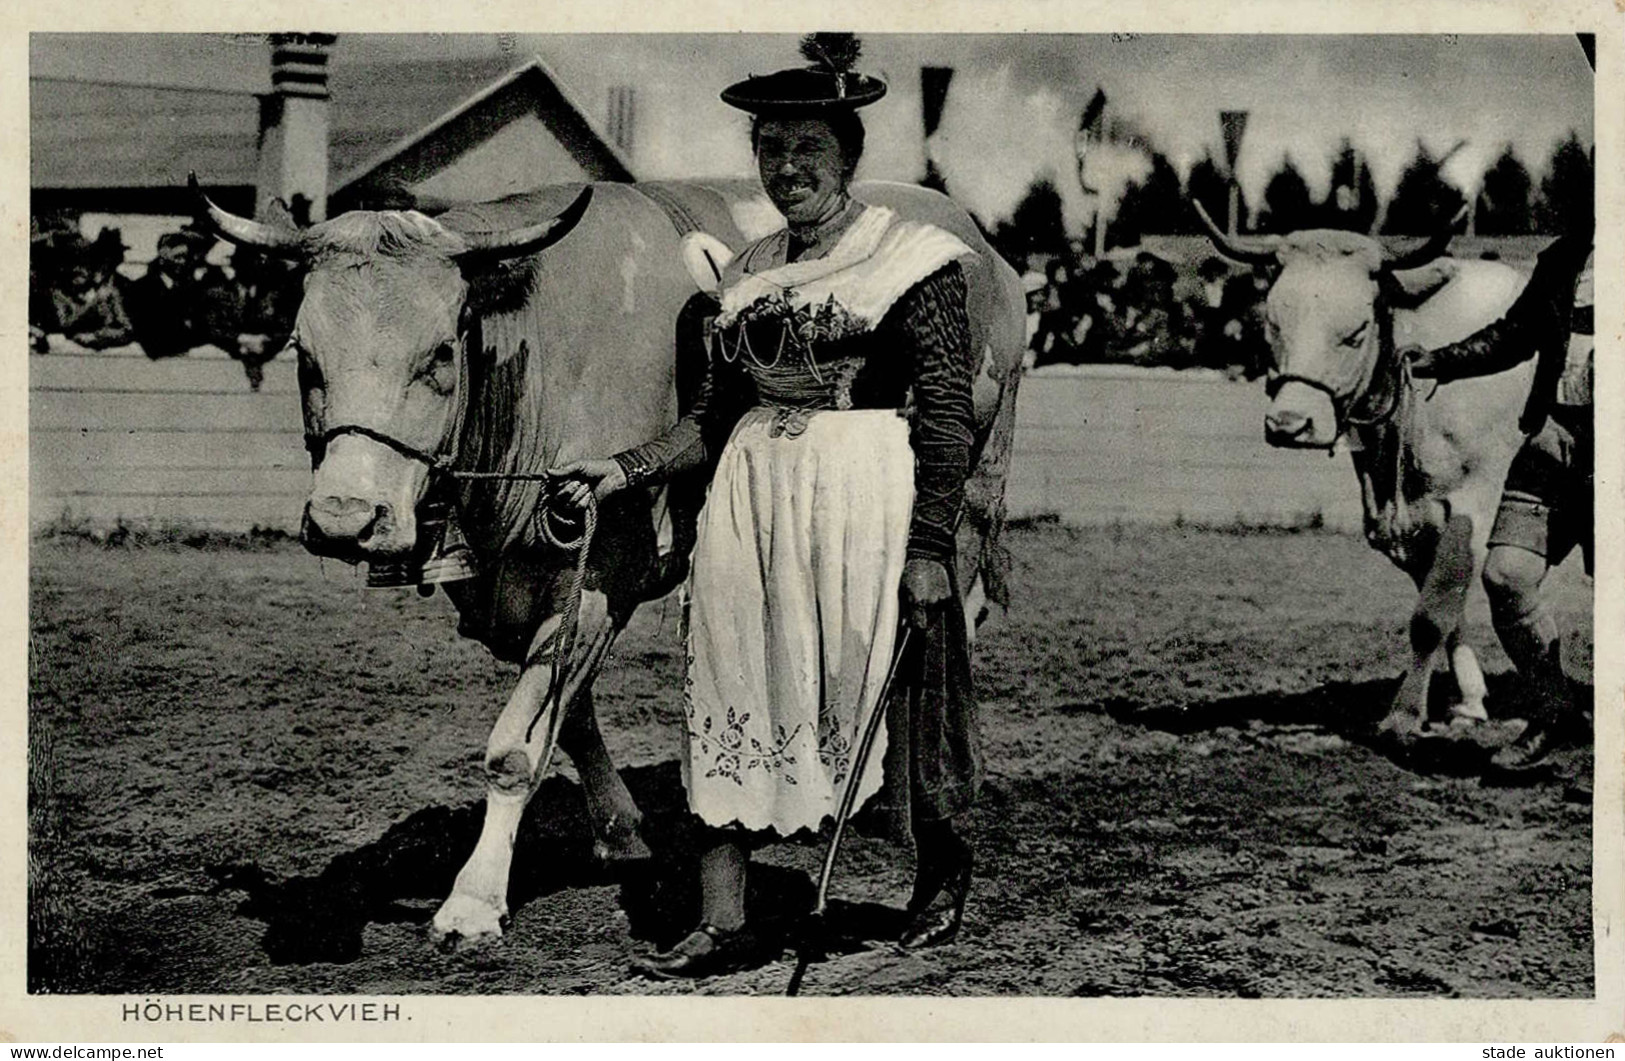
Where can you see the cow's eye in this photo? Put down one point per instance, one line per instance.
(1356, 337)
(439, 370)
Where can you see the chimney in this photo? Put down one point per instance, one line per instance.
(293, 126)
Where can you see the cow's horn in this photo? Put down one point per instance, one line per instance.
(242, 231)
(527, 240)
(1263, 254)
(1423, 251)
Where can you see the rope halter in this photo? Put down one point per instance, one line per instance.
(1378, 401)
(445, 555)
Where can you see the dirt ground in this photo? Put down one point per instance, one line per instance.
(252, 774)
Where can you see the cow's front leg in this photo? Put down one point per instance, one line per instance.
(477, 909)
(515, 760)
(1409, 710)
(615, 817)
(1481, 507)
(1437, 617)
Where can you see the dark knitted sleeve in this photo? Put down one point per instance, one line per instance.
(1535, 322)
(689, 442)
(932, 322)
(1497, 346)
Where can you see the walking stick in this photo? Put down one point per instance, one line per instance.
(815, 923)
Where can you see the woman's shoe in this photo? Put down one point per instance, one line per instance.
(938, 909)
(707, 951)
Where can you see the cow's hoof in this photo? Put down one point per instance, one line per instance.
(1468, 712)
(1401, 725)
(618, 841)
(464, 921)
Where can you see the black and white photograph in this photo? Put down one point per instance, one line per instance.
(824, 512)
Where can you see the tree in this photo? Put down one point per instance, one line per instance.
(1037, 225)
(1287, 203)
(1424, 200)
(1505, 204)
(1209, 186)
(1566, 190)
(1153, 205)
(1351, 201)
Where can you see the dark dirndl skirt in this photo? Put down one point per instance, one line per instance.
(933, 759)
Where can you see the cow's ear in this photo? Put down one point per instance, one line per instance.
(1412, 287)
(500, 286)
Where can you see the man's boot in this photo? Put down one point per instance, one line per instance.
(1553, 721)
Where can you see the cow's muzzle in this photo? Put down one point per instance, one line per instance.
(354, 529)
(1287, 428)
(1301, 417)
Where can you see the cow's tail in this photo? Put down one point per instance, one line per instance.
(984, 557)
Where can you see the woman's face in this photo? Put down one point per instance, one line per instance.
(801, 167)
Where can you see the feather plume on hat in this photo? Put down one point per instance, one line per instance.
(837, 53)
(833, 53)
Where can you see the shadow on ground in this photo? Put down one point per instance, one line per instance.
(402, 875)
(1352, 710)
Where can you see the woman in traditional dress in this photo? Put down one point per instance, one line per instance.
(829, 520)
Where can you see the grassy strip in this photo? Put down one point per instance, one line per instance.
(1240, 527)
(138, 534)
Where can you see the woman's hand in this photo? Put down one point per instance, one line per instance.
(579, 479)
(1421, 359)
(925, 586)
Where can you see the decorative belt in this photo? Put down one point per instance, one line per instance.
(790, 421)
(796, 390)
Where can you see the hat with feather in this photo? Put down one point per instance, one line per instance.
(827, 85)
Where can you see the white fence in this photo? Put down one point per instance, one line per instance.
(1104, 445)
(116, 436)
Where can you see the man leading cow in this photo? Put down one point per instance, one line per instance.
(1546, 507)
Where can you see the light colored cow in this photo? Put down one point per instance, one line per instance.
(1430, 459)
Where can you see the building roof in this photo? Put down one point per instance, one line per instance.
(530, 90)
(133, 144)
(91, 135)
(376, 105)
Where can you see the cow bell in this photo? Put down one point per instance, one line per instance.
(444, 554)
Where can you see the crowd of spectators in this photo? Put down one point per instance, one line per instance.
(1137, 309)
(1143, 310)
(183, 300)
